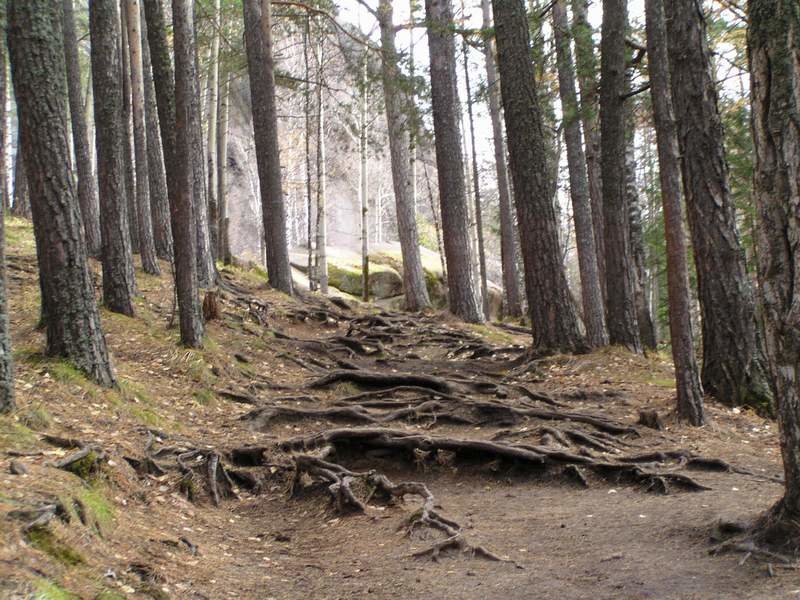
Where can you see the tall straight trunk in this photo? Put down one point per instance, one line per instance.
(119, 285)
(321, 270)
(450, 162)
(774, 58)
(413, 118)
(400, 123)
(5, 197)
(185, 174)
(591, 285)
(734, 369)
(87, 192)
(156, 174)
(211, 124)
(176, 143)
(363, 183)
(127, 152)
(206, 270)
(312, 277)
(646, 330)
(261, 68)
(38, 68)
(22, 198)
(437, 222)
(556, 326)
(476, 189)
(623, 326)
(147, 246)
(6, 360)
(222, 167)
(508, 247)
(586, 67)
(687, 380)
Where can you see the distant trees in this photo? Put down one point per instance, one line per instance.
(38, 69)
(462, 296)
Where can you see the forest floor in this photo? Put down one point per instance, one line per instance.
(270, 464)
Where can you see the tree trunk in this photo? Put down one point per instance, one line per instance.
(363, 182)
(623, 327)
(206, 270)
(508, 248)
(157, 177)
(400, 125)
(222, 166)
(38, 68)
(211, 124)
(6, 360)
(321, 270)
(172, 93)
(450, 162)
(261, 68)
(646, 330)
(591, 285)
(127, 153)
(87, 193)
(437, 223)
(733, 360)
(119, 285)
(774, 57)
(147, 247)
(22, 199)
(312, 277)
(687, 382)
(586, 66)
(556, 326)
(476, 188)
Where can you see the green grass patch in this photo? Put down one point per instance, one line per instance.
(45, 540)
(97, 508)
(36, 418)
(16, 436)
(19, 235)
(49, 590)
(205, 396)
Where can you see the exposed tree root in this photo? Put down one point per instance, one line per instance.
(340, 481)
(419, 448)
(372, 379)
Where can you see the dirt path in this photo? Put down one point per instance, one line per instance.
(530, 462)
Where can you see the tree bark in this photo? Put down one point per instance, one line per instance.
(687, 381)
(147, 247)
(774, 58)
(38, 69)
(586, 66)
(127, 152)
(363, 181)
(261, 68)
(646, 330)
(321, 267)
(222, 166)
(212, 124)
(119, 285)
(476, 189)
(556, 327)
(6, 360)
(462, 298)
(206, 269)
(176, 141)
(623, 327)
(400, 124)
(87, 192)
(591, 285)
(508, 247)
(157, 177)
(22, 199)
(733, 361)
